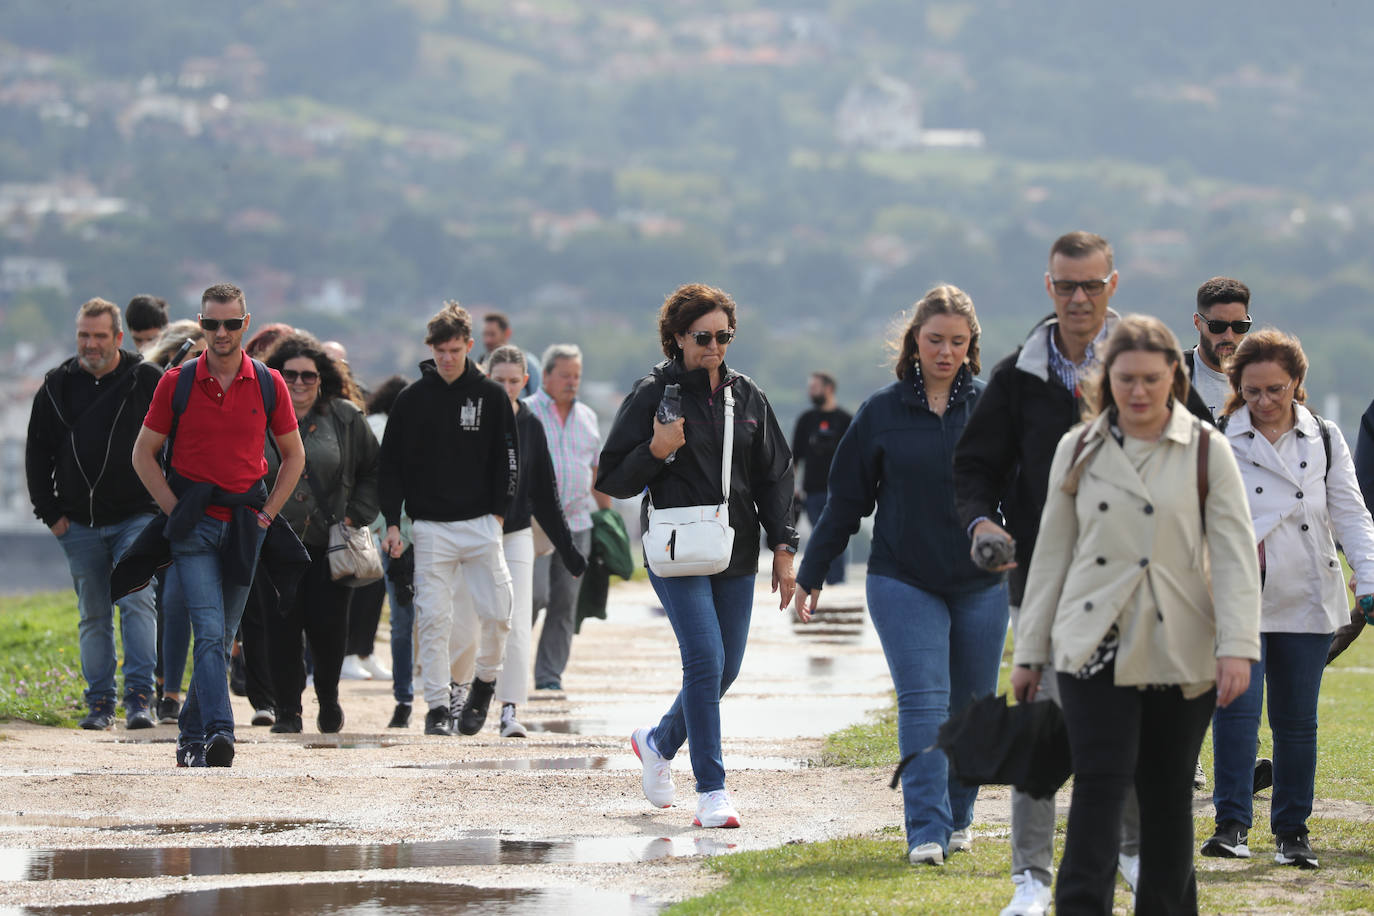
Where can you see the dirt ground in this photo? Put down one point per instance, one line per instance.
(570, 789)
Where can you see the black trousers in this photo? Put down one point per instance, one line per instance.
(260, 607)
(318, 613)
(363, 616)
(1120, 736)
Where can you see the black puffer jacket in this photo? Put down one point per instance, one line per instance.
(761, 480)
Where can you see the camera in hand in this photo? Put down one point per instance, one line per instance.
(670, 410)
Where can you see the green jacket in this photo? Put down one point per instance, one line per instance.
(610, 555)
(334, 434)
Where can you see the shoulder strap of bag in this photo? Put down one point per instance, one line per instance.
(727, 453)
(1203, 484)
(181, 396)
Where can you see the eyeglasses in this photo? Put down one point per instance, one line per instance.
(1216, 326)
(1066, 288)
(306, 378)
(1251, 393)
(230, 324)
(703, 338)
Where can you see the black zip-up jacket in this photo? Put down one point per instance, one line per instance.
(449, 453)
(1002, 461)
(77, 457)
(536, 492)
(898, 456)
(761, 480)
(1364, 456)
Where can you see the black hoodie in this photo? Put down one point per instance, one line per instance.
(78, 457)
(449, 453)
(761, 479)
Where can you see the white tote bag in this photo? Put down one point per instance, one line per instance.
(695, 540)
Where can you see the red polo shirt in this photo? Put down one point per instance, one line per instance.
(221, 436)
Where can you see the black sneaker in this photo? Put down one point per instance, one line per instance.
(1264, 774)
(401, 717)
(219, 750)
(1229, 842)
(168, 709)
(330, 719)
(190, 754)
(101, 716)
(136, 714)
(288, 724)
(1295, 850)
(474, 714)
(438, 722)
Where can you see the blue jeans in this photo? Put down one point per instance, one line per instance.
(1292, 664)
(91, 555)
(213, 608)
(943, 652)
(710, 617)
(176, 638)
(814, 503)
(402, 640)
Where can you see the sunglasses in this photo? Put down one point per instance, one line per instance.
(306, 378)
(1216, 326)
(230, 324)
(703, 338)
(1066, 288)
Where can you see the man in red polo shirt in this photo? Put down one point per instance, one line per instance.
(217, 505)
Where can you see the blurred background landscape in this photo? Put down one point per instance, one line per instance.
(352, 163)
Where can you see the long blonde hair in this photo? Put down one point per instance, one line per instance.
(942, 300)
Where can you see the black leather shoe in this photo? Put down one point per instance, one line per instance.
(474, 714)
(219, 750)
(287, 724)
(437, 722)
(330, 718)
(401, 717)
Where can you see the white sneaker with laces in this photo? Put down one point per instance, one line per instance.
(1130, 869)
(264, 717)
(1031, 898)
(457, 696)
(374, 667)
(657, 778)
(510, 726)
(715, 810)
(353, 670)
(961, 840)
(926, 854)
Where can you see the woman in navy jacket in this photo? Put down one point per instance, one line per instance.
(942, 620)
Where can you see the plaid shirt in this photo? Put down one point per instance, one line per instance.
(1069, 373)
(576, 449)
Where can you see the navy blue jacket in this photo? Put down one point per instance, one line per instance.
(899, 455)
(1364, 457)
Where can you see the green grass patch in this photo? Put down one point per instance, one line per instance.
(40, 663)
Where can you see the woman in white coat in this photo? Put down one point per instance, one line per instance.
(1143, 597)
(1302, 488)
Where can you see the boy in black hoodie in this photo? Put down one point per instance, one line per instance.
(449, 458)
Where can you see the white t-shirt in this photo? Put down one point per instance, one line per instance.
(1213, 386)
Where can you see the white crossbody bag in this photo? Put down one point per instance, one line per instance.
(695, 540)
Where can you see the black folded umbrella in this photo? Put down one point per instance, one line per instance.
(991, 743)
(1346, 634)
(401, 572)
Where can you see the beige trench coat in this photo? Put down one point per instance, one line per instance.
(1118, 547)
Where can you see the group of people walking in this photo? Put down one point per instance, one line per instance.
(1159, 527)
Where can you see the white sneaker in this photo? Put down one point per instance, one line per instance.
(510, 726)
(657, 779)
(926, 854)
(374, 667)
(1130, 869)
(353, 670)
(1032, 898)
(715, 810)
(457, 696)
(961, 840)
(264, 717)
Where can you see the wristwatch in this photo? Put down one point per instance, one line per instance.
(787, 547)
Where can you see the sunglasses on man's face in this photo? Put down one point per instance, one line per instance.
(306, 378)
(1216, 326)
(230, 324)
(703, 338)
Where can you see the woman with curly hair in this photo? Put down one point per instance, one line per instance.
(340, 463)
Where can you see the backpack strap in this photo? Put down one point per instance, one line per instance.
(181, 396)
(1204, 443)
(1326, 444)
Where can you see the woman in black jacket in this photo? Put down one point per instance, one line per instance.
(942, 621)
(680, 464)
(341, 462)
(536, 496)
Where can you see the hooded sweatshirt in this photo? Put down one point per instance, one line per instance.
(449, 453)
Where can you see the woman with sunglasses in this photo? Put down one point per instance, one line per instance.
(1302, 488)
(679, 462)
(942, 620)
(340, 463)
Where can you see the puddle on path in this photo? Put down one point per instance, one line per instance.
(351, 745)
(255, 827)
(758, 717)
(368, 898)
(622, 762)
(89, 864)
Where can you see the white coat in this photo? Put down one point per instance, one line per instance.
(1296, 505)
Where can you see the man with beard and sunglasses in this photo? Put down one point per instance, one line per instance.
(1222, 319)
(217, 504)
(817, 432)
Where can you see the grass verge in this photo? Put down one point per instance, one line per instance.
(40, 663)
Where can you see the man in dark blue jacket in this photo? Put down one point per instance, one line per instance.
(1364, 456)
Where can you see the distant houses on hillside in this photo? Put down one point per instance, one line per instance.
(884, 113)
